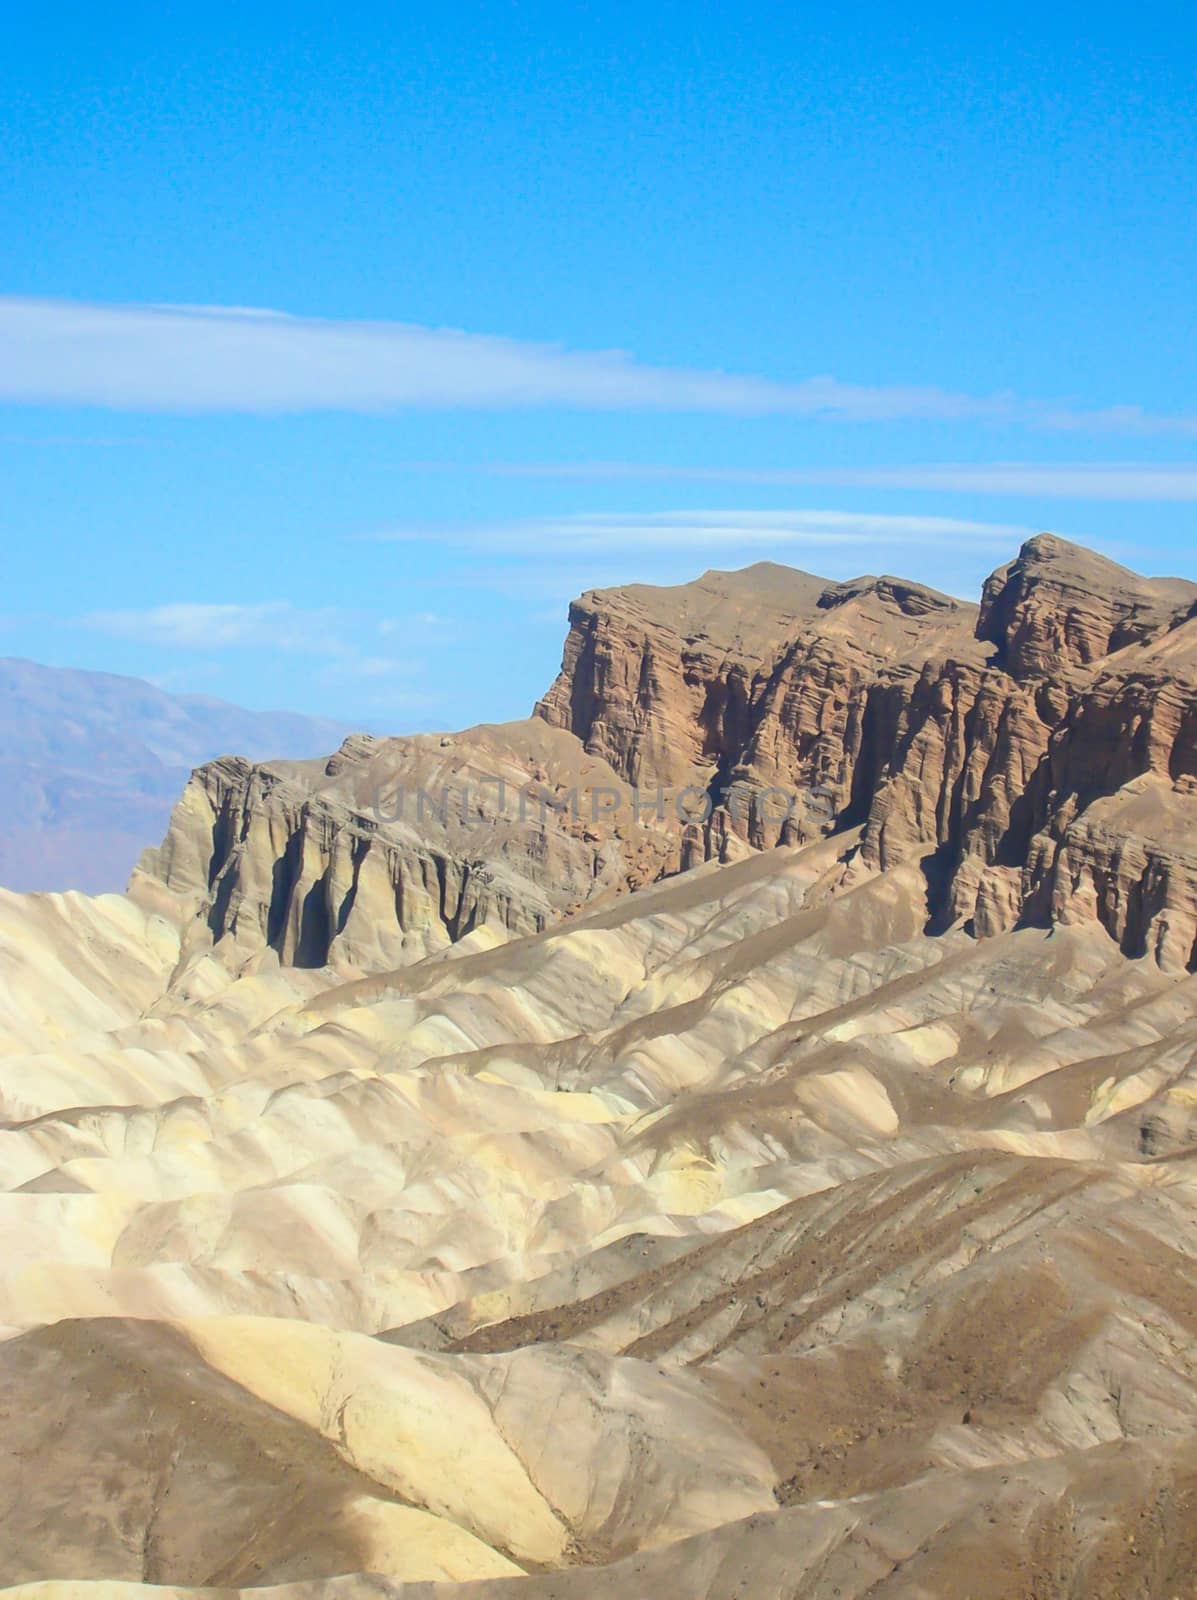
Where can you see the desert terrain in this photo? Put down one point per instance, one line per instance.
(565, 1197)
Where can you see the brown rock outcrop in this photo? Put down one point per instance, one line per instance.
(748, 680)
(659, 681)
(992, 744)
(1057, 605)
(396, 847)
(890, 703)
(1129, 861)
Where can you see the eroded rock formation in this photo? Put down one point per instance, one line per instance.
(987, 742)
(660, 682)
(392, 1204)
(393, 848)
(977, 739)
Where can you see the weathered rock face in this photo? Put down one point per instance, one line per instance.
(994, 744)
(976, 738)
(1130, 862)
(397, 847)
(833, 710)
(1054, 726)
(1057, 606)
(659, 682)
(745, 681)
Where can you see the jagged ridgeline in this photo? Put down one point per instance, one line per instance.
(1037, 755)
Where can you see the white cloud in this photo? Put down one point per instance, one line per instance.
(340, 640)
(1131, 481)
(187, 358)
(707, 531)
(212, 358)
(270, 624)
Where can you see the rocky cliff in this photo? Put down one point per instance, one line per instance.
(393, 848)
(1009, 771)
(660, 681)
(978, 739)
(1037, 754)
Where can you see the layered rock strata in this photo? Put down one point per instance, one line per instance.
(974, 738)
(990, 743)
(393, 848)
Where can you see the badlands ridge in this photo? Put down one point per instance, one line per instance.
(557, 1198)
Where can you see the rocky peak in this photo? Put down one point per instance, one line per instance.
(1058, 605)
(358, 747)
(880, 695)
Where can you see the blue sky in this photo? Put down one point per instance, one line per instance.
(339, 350)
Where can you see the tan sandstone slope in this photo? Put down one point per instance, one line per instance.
(762, 1233)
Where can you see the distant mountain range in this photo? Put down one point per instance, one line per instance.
(90, 764)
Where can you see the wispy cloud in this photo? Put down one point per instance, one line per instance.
(82, 441)
(1130, 481)
(189, 358)
(707, 531)
(268, 625)
(213, 358)
(339, 641)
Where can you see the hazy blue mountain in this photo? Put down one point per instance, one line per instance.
(91, 763)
